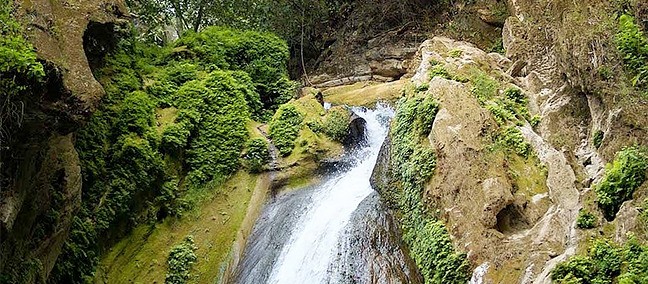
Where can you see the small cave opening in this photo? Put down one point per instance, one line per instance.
(511, 220)
(99, 39)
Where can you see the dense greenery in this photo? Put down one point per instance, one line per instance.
(606, 263)
(181, 259)
(152, 149)
(414, 162)
(256, 154)
(336, 124)
(597, 139)
(633, 45)
(262, 56)
(284, 128)
(20, 72)
(626, 173)
(585, 220)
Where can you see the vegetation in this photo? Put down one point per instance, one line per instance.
(633, 45)
(414, 163)
(284, 128)
(256, 154)
(138, 169)
(597, 139)
(181, 259)
(622, 178)
(513, 140)
(20, 73)
(585, 220)
(336, 124)
(606, 262)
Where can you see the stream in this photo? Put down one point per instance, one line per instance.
(337, 231)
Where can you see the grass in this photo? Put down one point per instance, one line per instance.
(141, 256)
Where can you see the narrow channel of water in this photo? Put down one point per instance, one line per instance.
(335, 232)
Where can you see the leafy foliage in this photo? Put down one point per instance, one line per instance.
(622, 178)
(136, 169)
(262, 56)
(20, 72)
(512, 138)
(284, 128)
(585, 220)
(336, 124)
(633, 45)
(181, 259)
(606, 263)
(256, 154)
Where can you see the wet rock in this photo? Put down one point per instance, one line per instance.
(357, 130)
(371, 250)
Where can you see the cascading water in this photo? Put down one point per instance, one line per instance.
(332, 233)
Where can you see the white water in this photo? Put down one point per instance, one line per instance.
(306, 256)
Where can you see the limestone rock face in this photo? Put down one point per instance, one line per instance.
(40, 167)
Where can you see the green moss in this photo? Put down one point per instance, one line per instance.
(622, 178)
(483, 87)
(414, 163)
(455, 53)
(586, 220)
(181, 259)
(336, 124)
(284, 128)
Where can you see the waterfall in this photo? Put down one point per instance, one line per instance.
(302, 236)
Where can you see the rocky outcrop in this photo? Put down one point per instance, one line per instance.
(357, 131)
(40, 166)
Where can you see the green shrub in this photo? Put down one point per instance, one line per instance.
(263, 56)
(513, 139)
(515, 95)
(535, 121)
(135, 114)
(597, 139)
(180, 261)
(586, 220)
(219, 137)
(175, 137)
(20, 72)
(422, 88)
(181, 73)
(439, 71)
(336, 124)
(622, 178)
(256, 154)
(284, 128)
(633, 45)
(606, 263)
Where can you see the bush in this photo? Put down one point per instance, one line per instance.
(263, 56)
(336, 124)
(135, 114)
(633, 45)
(20, 72)
(484, 87)
(180, 261)
(622, 178)
(512, 138)
(256, 154)
(515, 95)
(606, 263)
(284, 128)
(219, 137)
(586, 220)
